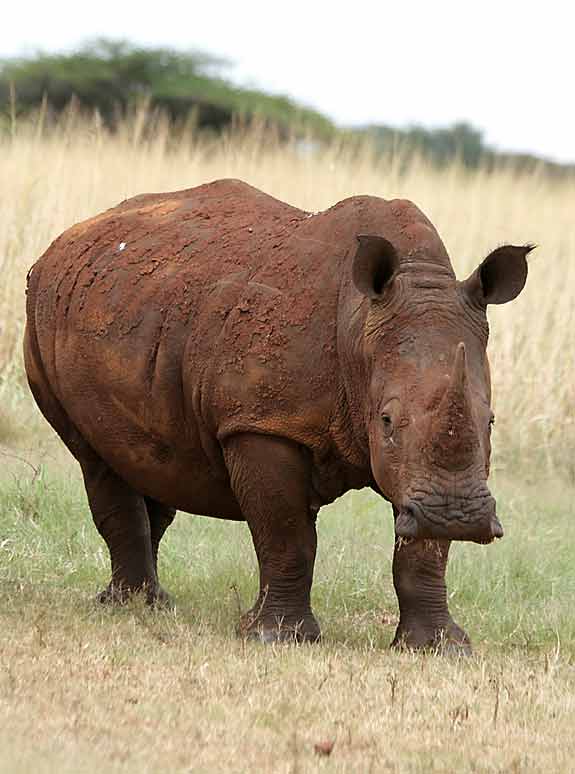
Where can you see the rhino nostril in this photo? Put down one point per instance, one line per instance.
(496, 528)
(406, 525)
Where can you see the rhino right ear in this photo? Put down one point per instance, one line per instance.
(500, 277)
(374, 264)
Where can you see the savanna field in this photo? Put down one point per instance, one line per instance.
(85, 688)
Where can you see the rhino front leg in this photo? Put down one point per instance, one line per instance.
(270, 479)
(419, 579)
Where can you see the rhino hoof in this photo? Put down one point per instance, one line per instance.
(306, 630)
(120, 595)
(449, 641)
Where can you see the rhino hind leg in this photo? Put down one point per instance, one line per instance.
(425, 622)
(131, 527)
(270, 478)
(121, 517)
(160, 516)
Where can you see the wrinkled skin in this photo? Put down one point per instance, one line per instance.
(219, 352)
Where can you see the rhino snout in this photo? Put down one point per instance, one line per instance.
(417, 520)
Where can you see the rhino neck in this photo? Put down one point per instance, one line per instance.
(349, 429)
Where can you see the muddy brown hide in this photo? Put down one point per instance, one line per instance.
(217, 351)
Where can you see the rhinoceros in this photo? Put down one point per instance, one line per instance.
(220, 352)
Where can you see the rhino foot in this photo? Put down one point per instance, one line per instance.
(448, 640)
(115, 594)
(279, 629)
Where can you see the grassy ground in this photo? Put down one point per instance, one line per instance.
(88, 689)
(84, 688)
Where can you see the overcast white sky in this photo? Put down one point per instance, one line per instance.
(508, 67)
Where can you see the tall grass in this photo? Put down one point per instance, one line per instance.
(51, 178)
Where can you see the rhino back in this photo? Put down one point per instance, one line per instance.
(176, 319)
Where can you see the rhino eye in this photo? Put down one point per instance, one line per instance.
(491, 422)
(387, 424)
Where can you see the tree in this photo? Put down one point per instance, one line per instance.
(109, 76)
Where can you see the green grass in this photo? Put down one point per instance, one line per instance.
(87, 688)
(517, 593)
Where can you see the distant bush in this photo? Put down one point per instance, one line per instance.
(460, 142)
(110, 76)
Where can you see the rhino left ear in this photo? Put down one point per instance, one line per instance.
(500, 277)
(374, 264)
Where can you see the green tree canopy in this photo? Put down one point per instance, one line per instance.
(111, 75)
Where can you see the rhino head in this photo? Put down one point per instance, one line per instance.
(427, 410)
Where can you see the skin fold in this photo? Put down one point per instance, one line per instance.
(220, 352)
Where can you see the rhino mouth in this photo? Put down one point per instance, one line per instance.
(418, 520)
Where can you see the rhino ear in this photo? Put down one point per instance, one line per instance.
(500, 277)
(374, 264)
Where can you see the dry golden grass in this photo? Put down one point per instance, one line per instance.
(52, 179)
(135, 692)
